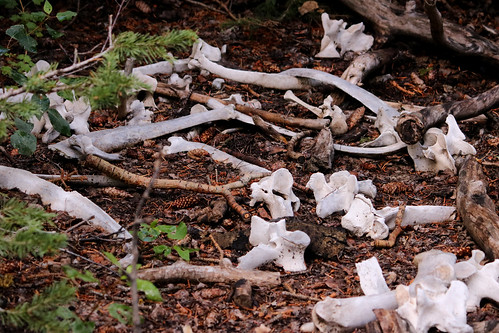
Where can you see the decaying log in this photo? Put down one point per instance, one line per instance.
(411, 127)
(225, 273)
(391, 19)
(476, 208)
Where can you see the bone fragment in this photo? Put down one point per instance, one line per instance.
(178, 144)
(124, 136)
(73, 202)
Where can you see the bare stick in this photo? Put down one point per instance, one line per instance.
(224, 273)
(123, 107)
(135, 247)
(390, 242)
(265, 115)
(292, 143)
(131, 178)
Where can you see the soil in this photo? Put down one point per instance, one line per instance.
(270, 46)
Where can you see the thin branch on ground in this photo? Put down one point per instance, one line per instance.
(390, 242)
(131, 178)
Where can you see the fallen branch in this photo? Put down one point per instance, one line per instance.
(273, 117)
(391, 19)
(143, 181)
(476, 208)
(412, 126)
(225, 273)
(390, 242)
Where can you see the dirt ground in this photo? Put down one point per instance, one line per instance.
(271, 46)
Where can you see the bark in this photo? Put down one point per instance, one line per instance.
(411, 127)
(225, 273)
(477, 209)
(391, 19)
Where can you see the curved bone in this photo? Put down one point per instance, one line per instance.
(290, 96)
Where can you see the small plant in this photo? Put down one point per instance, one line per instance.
(150, 233)
(22, 234)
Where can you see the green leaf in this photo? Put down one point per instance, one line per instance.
(121, 312)
(180, 233)
(162, 249)
(166, 228)
(53, 33)
(18, 32)
(37, 2)
(112, 259)
(183, 252)
(3, 50)
(22, 125)
(20, 79)
(47, 7)
(152, 293)
(24, 142)
(74, 274)
(60, 124)
(80, 326)
(67, 15)
(43, 102)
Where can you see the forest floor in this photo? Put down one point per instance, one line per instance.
(271, 46)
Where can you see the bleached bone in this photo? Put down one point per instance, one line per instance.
(439, 149)
(371, 277)
(445, 311)
(482, 280)
(290, 96)
(338, 123)
(274, 243)
(152, 83)
(336, 36)
(417, 214)
(80, 111)
(178, 144)
(455, 139)
(72, 202)
(334, 314)
(337, 194)
(40, 66)
(117, 138)
(180, 83)
(238, 99)
(218, 83)
(140, 115)
(83, 144)
(164, 67)
(361, 219)
(276, 191)
(435, 271)
(210, 52)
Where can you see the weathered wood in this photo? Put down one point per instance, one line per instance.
(476, 208)
(225, 273)
(390, 322)
(391, 19)
(411, 127)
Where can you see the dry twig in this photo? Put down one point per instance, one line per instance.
(390, 242)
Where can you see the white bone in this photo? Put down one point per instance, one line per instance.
(276, 191)
(152, 83)
(482, 280)
(80, 111)
(164, 67)
(180, 83)
(139, 113)
(218, 83)
(336, 195)
(73, 202)
(417, 215)
(337, 313)
(445, 311)
(336, 36)
(371, 277)
(274, 243)
(210, 52)
(455, 139)
(178, 144)
(360, 219)
(290, 96)
(238, 99)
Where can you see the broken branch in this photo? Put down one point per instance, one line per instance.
(143, 181)
(412, 126)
